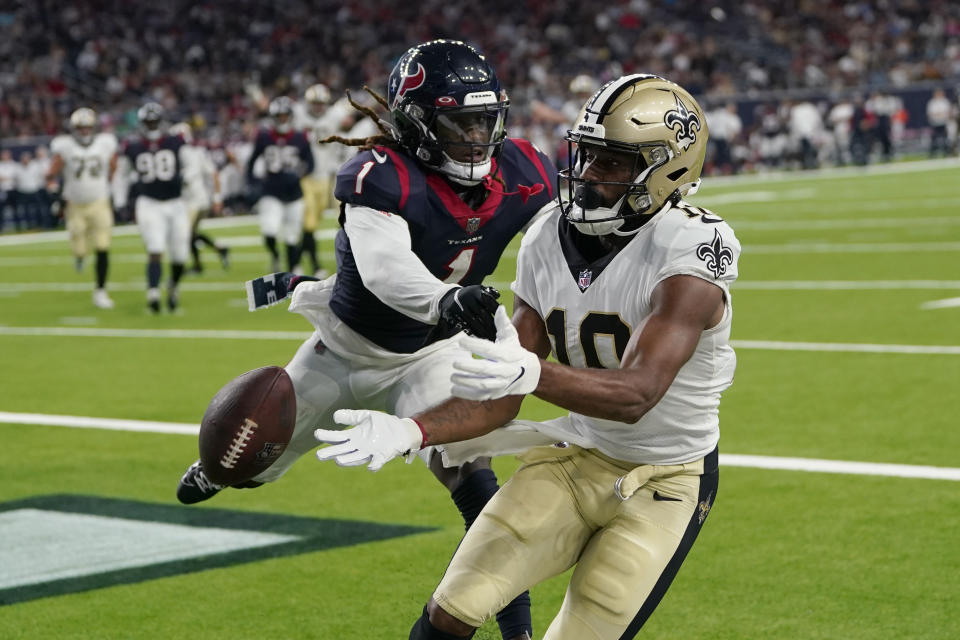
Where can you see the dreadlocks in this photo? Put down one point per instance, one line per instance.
(383, 139)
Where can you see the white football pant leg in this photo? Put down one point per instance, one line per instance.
(293, 221)
(321, 381)
(270, 215)
(150, 221)
(178, 219)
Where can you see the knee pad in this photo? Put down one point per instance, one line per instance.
(423, 630)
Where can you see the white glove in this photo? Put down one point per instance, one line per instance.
(508, 369)
(376, 439)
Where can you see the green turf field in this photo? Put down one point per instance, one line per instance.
(847, 322)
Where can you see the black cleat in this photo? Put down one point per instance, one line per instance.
(224, 257)
(195, 486)
(173, 299)
(153, 306)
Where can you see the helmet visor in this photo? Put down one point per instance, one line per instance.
(606, 174)
(470, 134)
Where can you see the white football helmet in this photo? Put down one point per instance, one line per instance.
(648, 123)
(317, 97)
(83, 122)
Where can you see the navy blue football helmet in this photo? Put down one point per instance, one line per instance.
(448, 109)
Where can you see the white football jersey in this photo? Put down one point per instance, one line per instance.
(198, 171)
(326, 157)
(86, 168)
(591, 310)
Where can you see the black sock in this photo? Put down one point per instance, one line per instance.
(271, 243)
(473, 493)
(514, 619)
(310, 249)
(293, 256)
(103, 263)
(195, 252)
(154, 270)
(205, 239)
(423, 630)
(470, 497)
(176, 272)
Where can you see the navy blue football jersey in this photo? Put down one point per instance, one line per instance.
(157, 163)
(286, 157)
(457, 243)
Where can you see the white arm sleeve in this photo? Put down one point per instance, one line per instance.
(389, 269)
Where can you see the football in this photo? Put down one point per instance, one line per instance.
(247, 425)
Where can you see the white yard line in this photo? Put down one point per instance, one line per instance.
(726, 459)
(138, 285)
(853, 223)
(763, 285)
(211, 262)
(113, 424)
(211, 334)
(834, 173)
(946, 303)
(775, 345)
(853, 247)
(840, 466)
(40, 237)
(198, 334)
(843, 285)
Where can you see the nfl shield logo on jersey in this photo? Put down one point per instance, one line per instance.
(472, 225)
(584, 279)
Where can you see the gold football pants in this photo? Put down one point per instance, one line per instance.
(90, 222)
(627, 528)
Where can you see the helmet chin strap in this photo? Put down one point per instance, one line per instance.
(462, 172)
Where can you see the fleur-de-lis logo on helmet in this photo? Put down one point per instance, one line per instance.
(686, 123)
(715, 255)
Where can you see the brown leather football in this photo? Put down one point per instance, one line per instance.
(247, 425)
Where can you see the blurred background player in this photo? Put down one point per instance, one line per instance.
(286, 158)
(86, 161)
(201, 194)
(158, 159)
(318, 118)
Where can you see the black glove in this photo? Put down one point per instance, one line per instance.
(471, 309)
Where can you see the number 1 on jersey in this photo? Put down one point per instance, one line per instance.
(460, 265)
(364, 170)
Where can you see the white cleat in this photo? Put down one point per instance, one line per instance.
(101, 300)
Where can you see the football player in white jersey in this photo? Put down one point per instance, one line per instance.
(628, 286)
(319, 119)
(201, 193)
(86, 160)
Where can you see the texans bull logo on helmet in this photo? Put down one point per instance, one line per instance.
(409, 82)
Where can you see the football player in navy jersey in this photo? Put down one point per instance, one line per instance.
(427, 209)
(286, 158)
(161, 214)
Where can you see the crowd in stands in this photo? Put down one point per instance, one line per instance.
(787, 83)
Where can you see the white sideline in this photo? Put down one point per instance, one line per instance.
(726, 459)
